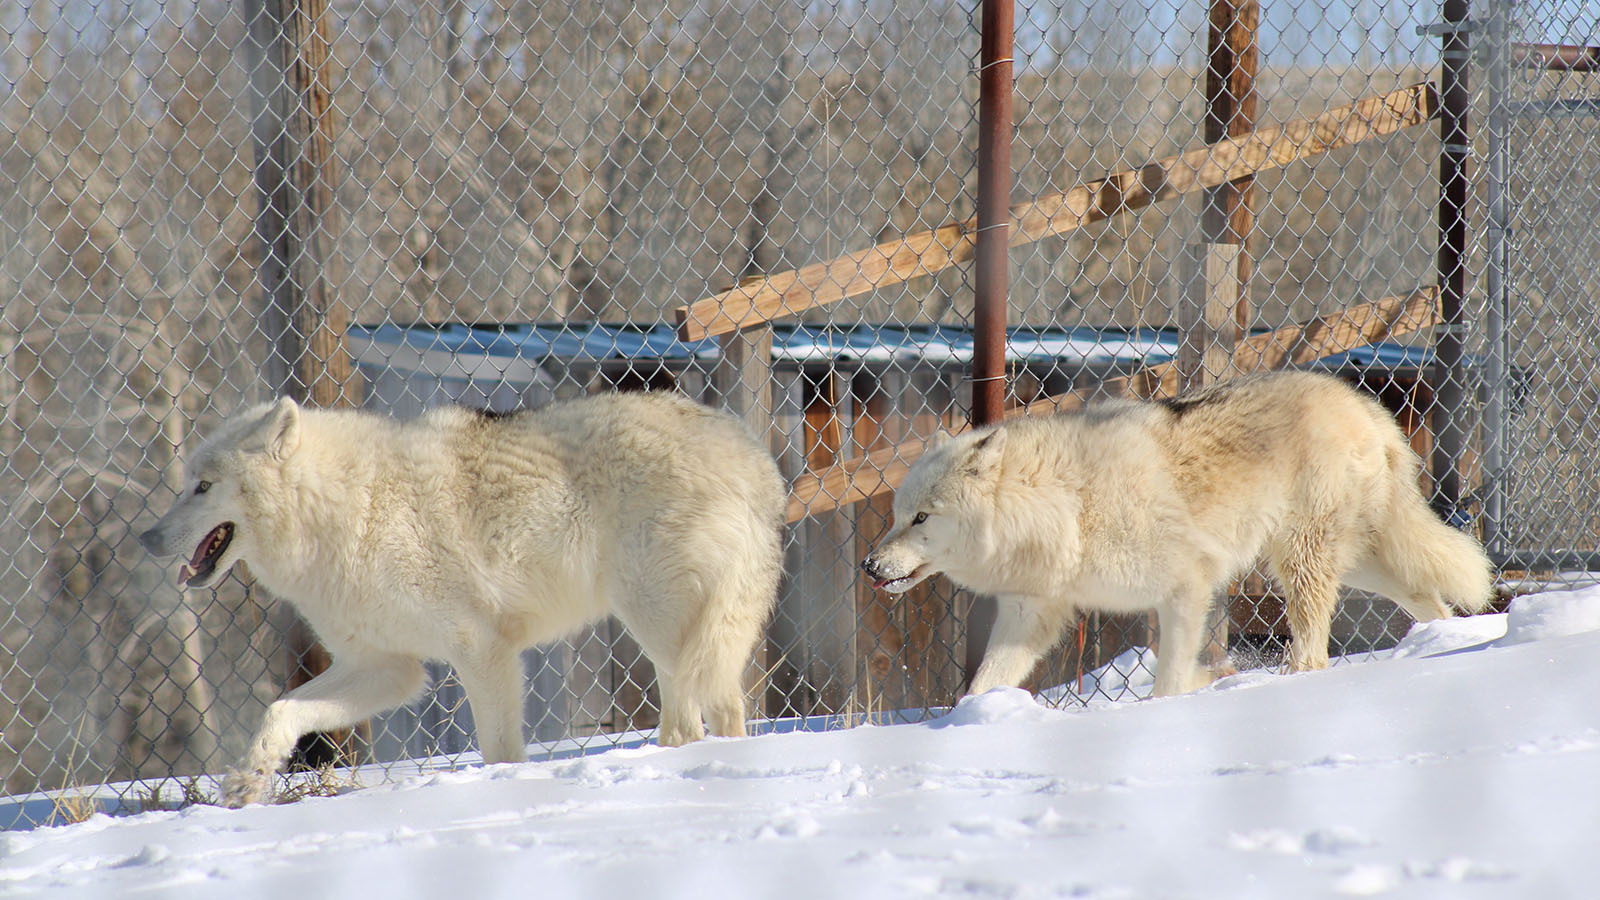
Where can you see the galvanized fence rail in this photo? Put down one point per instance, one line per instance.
(857, 225)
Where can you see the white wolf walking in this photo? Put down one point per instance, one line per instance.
(467, 537)
(1129, 506)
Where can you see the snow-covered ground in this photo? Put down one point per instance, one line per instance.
(1465, 765)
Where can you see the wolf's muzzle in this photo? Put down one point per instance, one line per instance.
(152, 542)
(871, 567)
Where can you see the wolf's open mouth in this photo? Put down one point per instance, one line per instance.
(890, 584)
(206, 555)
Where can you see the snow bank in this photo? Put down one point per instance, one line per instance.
(1552, 614)
(998, 705)
(1449, 635)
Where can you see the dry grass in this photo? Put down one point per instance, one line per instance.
(156, 796)
(153, 797)
(325, 781)
(864, 705)
(74, 806)
(71, 806)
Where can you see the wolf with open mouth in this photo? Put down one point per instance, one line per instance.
(465, 537)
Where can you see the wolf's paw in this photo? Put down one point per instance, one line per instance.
(1305, 663)
(241, 788)
(678, 734)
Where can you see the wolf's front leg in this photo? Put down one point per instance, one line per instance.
(353, 689)
(1182, 620)
(1023, 630)
(495, 684)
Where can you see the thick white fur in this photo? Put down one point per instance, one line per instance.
(1129, 506)
(466, 539)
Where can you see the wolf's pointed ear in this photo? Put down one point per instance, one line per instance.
(280, 429)
(939, 439)
(984, 455)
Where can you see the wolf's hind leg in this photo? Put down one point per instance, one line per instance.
(1023, 631)
(354, 688)
(1311, 589)
(708, 680)
(721, 613)
(680, 713)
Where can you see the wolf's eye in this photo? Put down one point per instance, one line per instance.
(919, 518)
(202, 487)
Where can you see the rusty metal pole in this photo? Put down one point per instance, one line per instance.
(989, 277)
(1557, 57)
(1228, 213)
(994, 213)
(1449, 416)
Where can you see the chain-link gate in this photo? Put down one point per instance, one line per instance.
(768, 206)
(1541, 147)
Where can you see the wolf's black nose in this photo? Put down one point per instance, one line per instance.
(151, 541)
(870, 566)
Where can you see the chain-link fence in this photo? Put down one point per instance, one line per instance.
(768, 206)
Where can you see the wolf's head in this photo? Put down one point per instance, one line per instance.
(940, 512)
(224, 482)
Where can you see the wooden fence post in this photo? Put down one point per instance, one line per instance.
(1215, 306)
(743, 380)
(293, 128)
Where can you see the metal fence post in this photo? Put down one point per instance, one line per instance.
(1497, 274)
(1450, 339)
(994, 212)
(989, 279)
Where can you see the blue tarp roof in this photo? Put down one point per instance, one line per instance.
(806, 343)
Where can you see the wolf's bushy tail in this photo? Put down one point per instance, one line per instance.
(1426, 554)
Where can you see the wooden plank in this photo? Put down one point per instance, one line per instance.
(882, 470)
(743, 377)
(758, 300)
(880, 618)
(825, 621)
(1211, 270)
(1210, 290)
(933, 620)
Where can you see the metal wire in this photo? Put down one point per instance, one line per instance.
(509, 203)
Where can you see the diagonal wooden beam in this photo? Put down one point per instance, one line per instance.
(760, 300)
(861, 477)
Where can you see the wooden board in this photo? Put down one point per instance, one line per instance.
(762, 299)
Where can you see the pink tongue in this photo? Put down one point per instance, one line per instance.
(199, 553)
(187, 570)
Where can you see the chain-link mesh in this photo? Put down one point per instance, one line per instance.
(766, 206)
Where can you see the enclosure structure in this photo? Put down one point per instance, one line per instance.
(199, 199)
